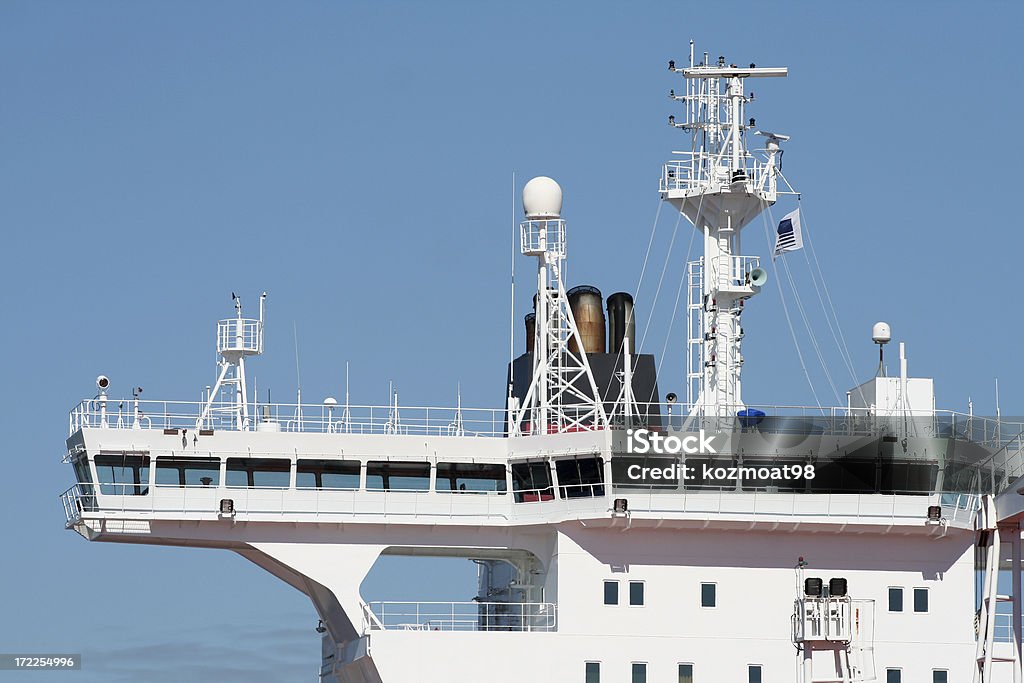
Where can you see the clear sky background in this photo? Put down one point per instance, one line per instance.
(355, 160)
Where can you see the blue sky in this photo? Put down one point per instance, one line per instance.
(355, 160)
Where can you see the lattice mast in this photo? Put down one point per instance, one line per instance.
(720, 186)
(237, 338)
(562, 395)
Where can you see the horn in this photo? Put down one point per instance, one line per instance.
(758, 277)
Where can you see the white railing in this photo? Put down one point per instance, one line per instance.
(459, 616)
(290, 417)
(704, 171)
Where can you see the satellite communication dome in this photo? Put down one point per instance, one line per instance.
(542, 198)
(880, 333)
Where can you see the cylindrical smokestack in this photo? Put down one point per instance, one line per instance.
(585, 302)
(531, 331)
(621, 323)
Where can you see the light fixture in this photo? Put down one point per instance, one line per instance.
(227, 506)
(837, 587)
(671, 64)
(620, 506)
(671, 120)
(813, 587)
(671, 397)
(934, 513)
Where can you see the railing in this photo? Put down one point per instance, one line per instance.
(703, 170)
(290, 417)
(77, 500)
(447, 421)
(459, 616)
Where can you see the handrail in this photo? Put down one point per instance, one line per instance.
(459, 616)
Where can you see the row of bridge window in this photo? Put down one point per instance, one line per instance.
(129, 474)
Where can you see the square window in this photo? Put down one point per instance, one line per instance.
(593, 672)
(708, 595)
(754, 673)
(639, 672)
(611, 592)
(636, 593)
(686, 673)
(895, 599)
(893, 676)
(940, 676)
(920, 599)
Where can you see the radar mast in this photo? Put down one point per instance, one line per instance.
(720, 186)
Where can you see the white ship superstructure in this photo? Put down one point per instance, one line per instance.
(864, 571)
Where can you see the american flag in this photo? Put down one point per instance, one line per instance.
(789, 237)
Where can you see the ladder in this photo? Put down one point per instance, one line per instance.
(990, 538)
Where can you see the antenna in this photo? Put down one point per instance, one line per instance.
(346, 415)
(881, 334)
(562, 395)
(720, 186)
(298, 377)
(237, 339)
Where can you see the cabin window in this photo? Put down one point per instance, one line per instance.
(82, 473)
(611, 592)
(580, 477)
(175, 471)
(893, 676)
(122, 474)
(593, 672)
(685, 673)
(327, 474)
(466, 477)
(272, 473)
(895, 599)
(940, 676)
(382, 475)
(636, 593)
(920, 600)
(531, 481)
(753, 673)
(639, 672)
(708, 595)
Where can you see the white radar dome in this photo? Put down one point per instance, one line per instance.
(542, 198)
(880, 333)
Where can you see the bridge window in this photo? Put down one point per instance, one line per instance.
(327, 474)
(593, 672)
(920, 600)
(753, 673)
(686, 673)
(580, 477)
(175, 471)
(531, 482)
(122, 474)
(82, 473)
(382, 475)
(895, 599)
(259, 472)
(640, 672)
(894, 676)
(940, 676)
(470, 477)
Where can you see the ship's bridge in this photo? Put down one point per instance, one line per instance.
(145, 461)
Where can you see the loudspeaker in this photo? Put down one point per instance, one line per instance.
(758, 277)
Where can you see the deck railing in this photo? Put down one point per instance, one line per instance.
(459, 616)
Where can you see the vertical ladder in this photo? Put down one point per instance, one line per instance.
(991, 537)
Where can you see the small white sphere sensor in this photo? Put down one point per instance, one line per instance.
(880, 333)
(542, 198)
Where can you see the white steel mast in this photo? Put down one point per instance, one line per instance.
(562, 395)
(720, 187)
